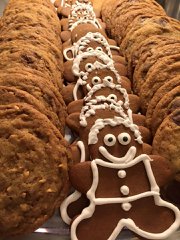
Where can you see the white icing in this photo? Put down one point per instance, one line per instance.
(124, 138)
(125, 201)
(124, 190)
(75, 195)
(80, 144)
(107, 61)
(79, 46)
(64, 206)
(109, 140)
(87, 15)
(126, 206)
(101, 123)
(122, 174)
(128, 157)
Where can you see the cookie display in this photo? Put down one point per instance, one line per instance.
(34, 157)
(112, 143)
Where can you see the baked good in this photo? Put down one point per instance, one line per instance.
(42, 90)
(165, 106)
(34, 157)
(33, 169)
(166, 138)
(150, 57)
(161, 92)
(164, 71)
(112, 143)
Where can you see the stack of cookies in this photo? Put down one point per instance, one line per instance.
(115, 176)
(33, 155)
(150, 41)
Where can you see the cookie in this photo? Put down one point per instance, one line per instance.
(129, 19)
(170, 192)
(67, 91)
(30, 19)
(34, 39)
(81, 30)
(147, 28)
(120, 187)
(156, 55)
(10, 95)
(39, 88)
(33, 169)
(162, 72)
(166, 140)
(167, 104)
(33, 58)
(46, 3)
(161, 92)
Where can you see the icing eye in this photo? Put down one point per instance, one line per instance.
(89, 67)
(96, 80)
(109, 79)
(89, 49)
(99, 49)
(110, 140)
(112, 97)
(124, 138)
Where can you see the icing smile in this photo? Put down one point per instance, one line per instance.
(130, 155)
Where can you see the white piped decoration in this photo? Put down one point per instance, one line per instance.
(126, 206)
(124, 190)
(122, 174)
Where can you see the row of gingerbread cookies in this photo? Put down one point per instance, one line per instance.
(74, 203)
(109, 146)
(84, 39)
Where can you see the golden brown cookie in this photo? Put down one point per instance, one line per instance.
(161, 73)
(167, 104)
(10, 95)
(161, 92)
(153, 56)
(40, 88)
(148, 27)
(22, 54)
(167, 138)
(33, 174)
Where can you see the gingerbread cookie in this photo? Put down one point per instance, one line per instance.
(106, 162)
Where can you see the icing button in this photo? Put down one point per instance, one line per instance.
(124, 190)
(122, 174)
(126, 206)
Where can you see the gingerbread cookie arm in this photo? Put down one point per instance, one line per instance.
(72, 122)
(68, 74)
(134, 102)
(64, 24)
(162, 169)
(67, 93)
(75, 106)
(81, 176)
(75, 153)
(147, 149)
